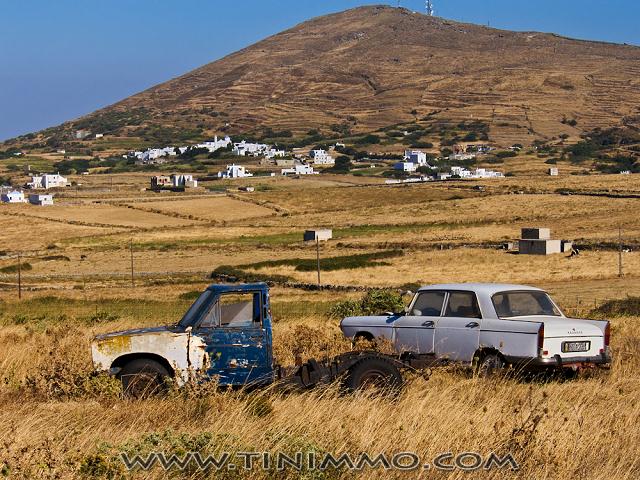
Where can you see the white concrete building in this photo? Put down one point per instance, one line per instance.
(40, 199)
(299, 170)
(416, 156)
(460, 172)
(14, 196)
(183, 181)
(477, 173)
(461, 156)
(216, 144)
(321, 157)
(46, 181)
(484, 173)
(406, 166)
(235, 171)
(273, 153)
(244, 148)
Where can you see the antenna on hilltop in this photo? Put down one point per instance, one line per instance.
(430, 10)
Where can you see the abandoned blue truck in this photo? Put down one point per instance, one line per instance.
(226, 335)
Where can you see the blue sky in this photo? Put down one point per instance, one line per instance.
(64, 58)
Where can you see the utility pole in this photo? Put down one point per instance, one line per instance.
(620, 272)
(131, 251)
(19, 276)
(318, 258)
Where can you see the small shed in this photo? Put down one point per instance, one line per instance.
(536, 233)
(553, 171)
(322, 235)
(537, 241)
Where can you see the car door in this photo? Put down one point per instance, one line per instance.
(414, 332)
(457, 334)
(236, 341)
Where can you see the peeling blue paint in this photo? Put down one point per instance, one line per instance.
(238, 355)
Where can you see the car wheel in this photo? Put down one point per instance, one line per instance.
(143, 377)
(490, 364)
(374, 374)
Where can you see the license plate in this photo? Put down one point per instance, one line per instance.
(568, 347)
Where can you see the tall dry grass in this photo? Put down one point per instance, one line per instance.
(57, 420)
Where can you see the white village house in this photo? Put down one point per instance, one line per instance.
(216, 144)
(406, 166)
(299, 170)
(244, 148)
(477, 173)
(14, 196)
(46, 181)
(321, 157)
(235, 171)
(184, 181)
(40, 199)
(416, 156)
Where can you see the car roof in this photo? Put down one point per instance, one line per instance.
(482, 288)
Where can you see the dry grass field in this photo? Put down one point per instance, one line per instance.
(59, 421)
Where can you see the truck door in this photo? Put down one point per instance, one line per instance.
(457, 334)
(415, 331)
(237, 343)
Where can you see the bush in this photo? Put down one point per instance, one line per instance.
(190, 296)
(629, 306)
(368, 140)
(14, 268)
(374, 302)
(343, 165)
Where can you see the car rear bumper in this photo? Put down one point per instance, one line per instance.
(603, 360)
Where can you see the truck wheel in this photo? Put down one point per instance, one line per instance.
(490, 364)
(374, 374)
(143, 377)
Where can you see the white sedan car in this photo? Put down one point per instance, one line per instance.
(489, 326)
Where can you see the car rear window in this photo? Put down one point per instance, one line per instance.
(524, 304)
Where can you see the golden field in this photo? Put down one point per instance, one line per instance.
(57, 421)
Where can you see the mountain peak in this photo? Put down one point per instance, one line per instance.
(375, 66)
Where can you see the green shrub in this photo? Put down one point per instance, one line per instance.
(14, 268)
(374, 302)
(507, 154)
(629, 306)
(191, 296)
(368, 140)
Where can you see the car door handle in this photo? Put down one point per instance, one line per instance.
(429, 324)
(472, 325)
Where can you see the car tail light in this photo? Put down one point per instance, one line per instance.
(607, 334)
(541, 337)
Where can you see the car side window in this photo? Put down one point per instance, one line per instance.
(462, 304)
(428, 304)
(233, 310)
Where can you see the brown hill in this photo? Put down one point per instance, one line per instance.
(373, 67)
